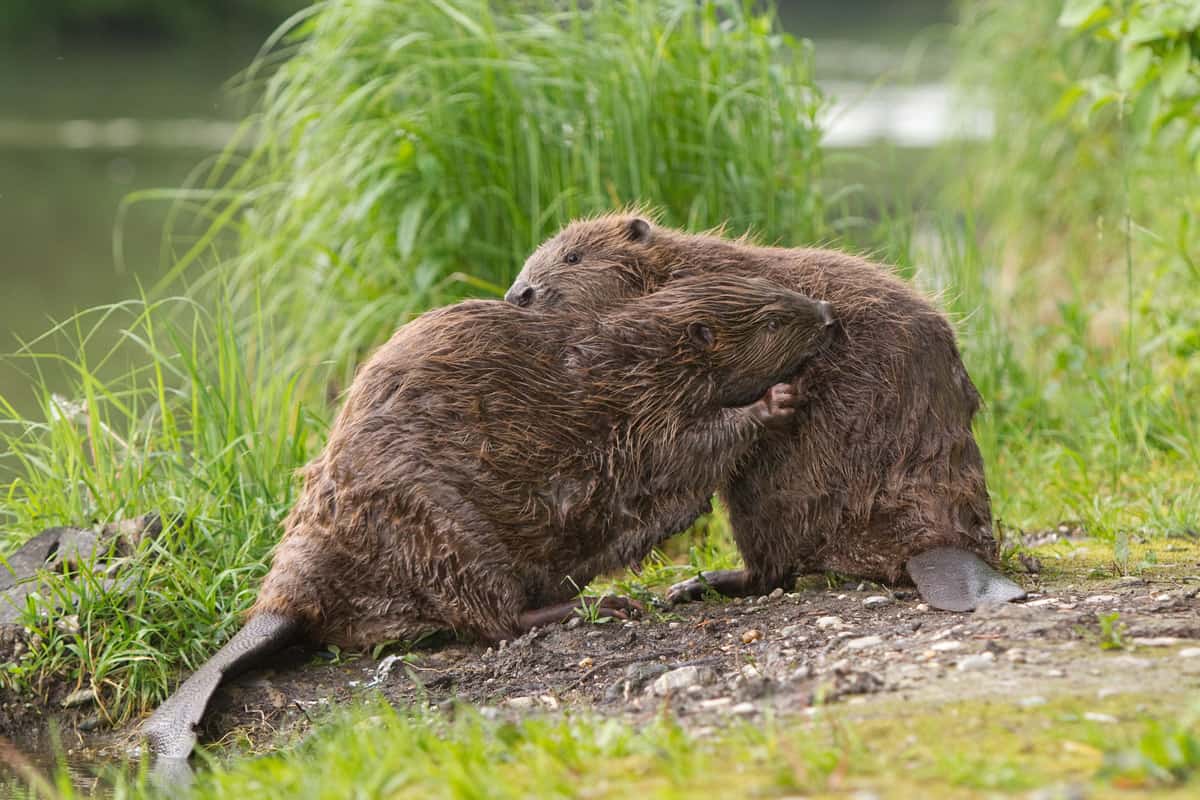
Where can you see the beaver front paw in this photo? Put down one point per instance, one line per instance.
(778, 404)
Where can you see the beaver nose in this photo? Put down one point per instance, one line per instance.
(826, 312)
(520, 294)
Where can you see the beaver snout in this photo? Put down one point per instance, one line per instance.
(520, 294)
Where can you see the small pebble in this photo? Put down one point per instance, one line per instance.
(752, 635)
(674, 625)
(682, 678)
(1155, 641)
(1094, 716)
(762, 599)
(922, 607)
(776, 593)
(574, 622)
(977, 661)
(744, 709)
(716, 702)
(946, 646)
(1055, 673)
(829, 622)
(864, 642)
(876, 601)
(751, 672)
(1190, 652)
(1100, 598)
(586, 662)
(1030, 702)
(79, 697)
(520, 703)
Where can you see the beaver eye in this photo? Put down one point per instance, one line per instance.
(773, 324)
(572, 257)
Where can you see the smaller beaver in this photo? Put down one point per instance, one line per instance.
(879, 475)
(490, 460)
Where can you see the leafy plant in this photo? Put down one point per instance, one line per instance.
(1112, 631)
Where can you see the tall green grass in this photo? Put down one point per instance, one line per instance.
(410, 153)
(1084, 213)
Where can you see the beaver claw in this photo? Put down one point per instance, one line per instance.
(779, 403)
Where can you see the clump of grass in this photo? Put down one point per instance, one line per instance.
(203, 431)
(1166, 754)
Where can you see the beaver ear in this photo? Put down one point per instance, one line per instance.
(701, 335)
(638, 230)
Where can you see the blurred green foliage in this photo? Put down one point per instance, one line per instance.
(1154, 77)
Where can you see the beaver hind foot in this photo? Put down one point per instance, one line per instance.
(171, 730)
(958, 580)
(727, 582)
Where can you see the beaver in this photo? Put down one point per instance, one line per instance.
(490, 460)
(879, 475)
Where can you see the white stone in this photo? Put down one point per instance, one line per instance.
(716, 702)
(1030, 702)
(977, 661)
(744, 709)
(1095, 716)
(521, 703)
(682, 678)
(946, 646)
(829, 622)
(863, 642)
(876, 601)
(1190, 652)
(1101, 598)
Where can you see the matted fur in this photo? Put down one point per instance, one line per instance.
(489, 460)
(879, 464)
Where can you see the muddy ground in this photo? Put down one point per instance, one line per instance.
(714, 661)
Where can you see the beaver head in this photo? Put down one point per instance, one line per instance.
(609, 258)
(717, 340)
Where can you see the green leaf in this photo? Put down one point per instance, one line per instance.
(1134, 66)
(410, 223)
(1175, 68)
(1079, 13)
(1147, 29)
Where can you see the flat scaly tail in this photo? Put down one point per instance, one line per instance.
(958, 580)
(171, 729)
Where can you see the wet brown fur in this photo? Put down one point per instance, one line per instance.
(878, 465)
(490, 460)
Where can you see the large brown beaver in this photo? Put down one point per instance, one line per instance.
(879, 474)
(489, 461)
